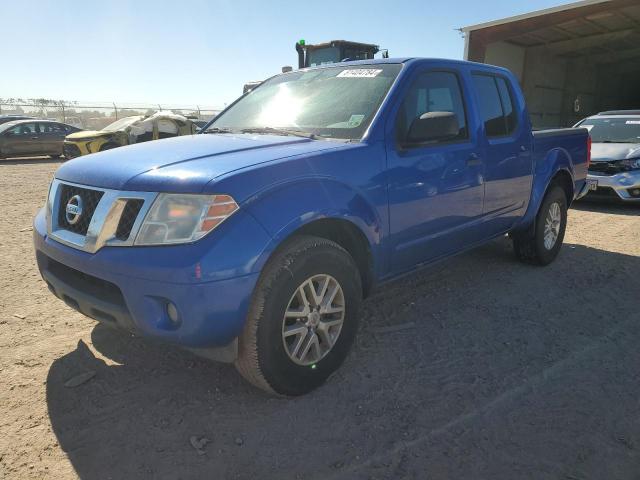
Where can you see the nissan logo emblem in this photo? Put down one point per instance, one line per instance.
(73, 211)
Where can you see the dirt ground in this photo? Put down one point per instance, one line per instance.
(479, 367)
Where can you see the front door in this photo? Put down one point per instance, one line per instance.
(436, 188)
(21, 140)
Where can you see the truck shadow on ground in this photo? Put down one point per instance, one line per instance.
(478, 368)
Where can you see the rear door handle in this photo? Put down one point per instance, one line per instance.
(474, 160)
(34, 138)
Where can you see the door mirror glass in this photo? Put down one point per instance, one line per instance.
(433, 127)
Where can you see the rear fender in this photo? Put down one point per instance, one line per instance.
(288, 207)
(556, 161)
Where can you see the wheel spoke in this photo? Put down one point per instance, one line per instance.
(296, 329)
(327, 301)
(310, 340)
(327, 324)
(296, 348)
(296, 313)
(325, 336)
(323, 290)
(303, 297)
(330, 310)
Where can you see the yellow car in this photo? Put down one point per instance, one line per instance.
(127, 131)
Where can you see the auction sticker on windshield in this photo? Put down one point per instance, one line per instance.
(359, 73)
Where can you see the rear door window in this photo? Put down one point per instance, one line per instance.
(495, 105)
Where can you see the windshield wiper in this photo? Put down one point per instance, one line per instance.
(280, 131)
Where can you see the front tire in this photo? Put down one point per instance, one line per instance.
(542, 246)
(303, 317)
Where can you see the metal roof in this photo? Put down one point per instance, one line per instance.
(535, 13)
(606, 31)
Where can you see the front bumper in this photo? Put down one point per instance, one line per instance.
(131, 287)
(620, 186)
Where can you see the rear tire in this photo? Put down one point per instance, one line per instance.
(300, 278)
(542, 246)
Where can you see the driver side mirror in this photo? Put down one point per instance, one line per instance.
(432, 127)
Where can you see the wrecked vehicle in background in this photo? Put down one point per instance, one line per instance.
(127, 131)
(614, 171)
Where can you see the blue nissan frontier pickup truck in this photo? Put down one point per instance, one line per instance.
(255, 241)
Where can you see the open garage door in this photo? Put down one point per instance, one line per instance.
(572, 61)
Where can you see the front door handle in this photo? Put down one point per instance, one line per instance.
(474, 160)
(34, 138)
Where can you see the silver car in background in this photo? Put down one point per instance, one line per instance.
(614, 171)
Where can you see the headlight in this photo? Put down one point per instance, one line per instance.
(178, 218)
(632, 163)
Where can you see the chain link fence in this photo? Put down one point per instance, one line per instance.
(95, 115)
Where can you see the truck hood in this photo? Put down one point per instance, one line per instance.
(183, 164)
(602, 152)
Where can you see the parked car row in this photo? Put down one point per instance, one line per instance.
(23, 136)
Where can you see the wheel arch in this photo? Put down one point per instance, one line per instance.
(346, 217)
(348, 236)
(555, 168)
(564, 180)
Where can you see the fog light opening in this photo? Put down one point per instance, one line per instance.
(172, 313)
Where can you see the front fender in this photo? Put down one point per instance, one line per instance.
(288, 207)
(556, 160)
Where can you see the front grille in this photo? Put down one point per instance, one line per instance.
(90, 199)
(70, 150)
(128, 218)
(607, 168)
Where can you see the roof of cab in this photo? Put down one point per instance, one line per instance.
(409, 60)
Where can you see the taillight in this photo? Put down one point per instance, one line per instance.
(588, 150)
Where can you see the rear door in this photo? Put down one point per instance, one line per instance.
(507, 145)
(435, 189)
(51, 138)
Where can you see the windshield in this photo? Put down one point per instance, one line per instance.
(122, 123)
(335, 102)
(613, 130)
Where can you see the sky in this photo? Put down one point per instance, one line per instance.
(200, 52)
